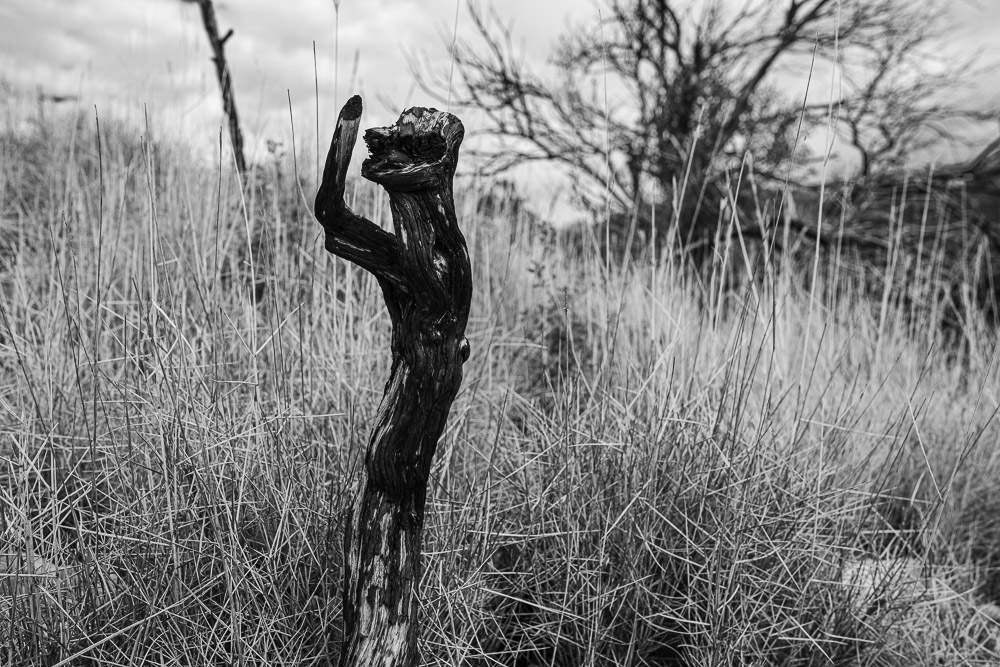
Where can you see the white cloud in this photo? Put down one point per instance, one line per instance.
(122, 54)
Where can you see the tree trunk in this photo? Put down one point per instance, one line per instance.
(225, 80)
(426, 280)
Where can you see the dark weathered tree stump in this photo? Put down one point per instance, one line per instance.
(423, 269)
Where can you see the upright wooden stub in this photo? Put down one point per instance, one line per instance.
(423, 269)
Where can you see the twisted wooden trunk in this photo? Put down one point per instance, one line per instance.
(423, 270)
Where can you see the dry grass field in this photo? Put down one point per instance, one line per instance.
(644, 467)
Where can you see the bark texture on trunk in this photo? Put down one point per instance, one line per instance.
(423, 269)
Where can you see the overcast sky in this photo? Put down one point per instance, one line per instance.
(122, 54)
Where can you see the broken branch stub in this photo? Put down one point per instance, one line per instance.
(426, 280)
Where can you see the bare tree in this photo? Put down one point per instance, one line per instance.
(672, 93)
(900, 98)
(225, 78)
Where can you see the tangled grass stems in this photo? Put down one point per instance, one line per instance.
(718, 480)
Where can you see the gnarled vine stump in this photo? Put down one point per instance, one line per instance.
(426, 280)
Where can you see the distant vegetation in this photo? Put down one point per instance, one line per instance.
(648, 464)
(682, 126)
